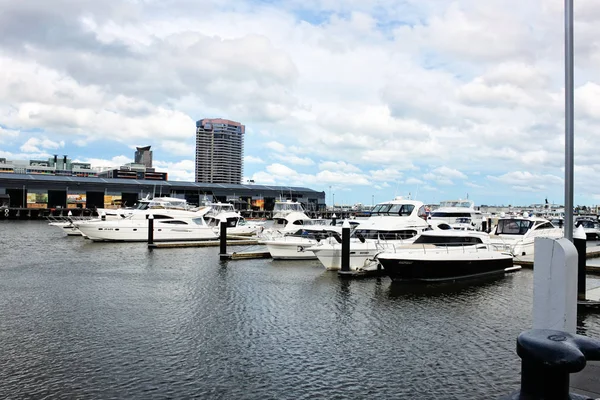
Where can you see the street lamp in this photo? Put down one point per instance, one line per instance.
(333, 202)
(330, 192)
(372, 201)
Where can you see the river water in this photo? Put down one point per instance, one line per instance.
(91, 320)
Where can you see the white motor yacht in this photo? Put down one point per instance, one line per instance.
(169, 224)
(391, 223)
(518, 233)
(450, 210)
(446, 255)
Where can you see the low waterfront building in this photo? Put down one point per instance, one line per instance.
(52, 191)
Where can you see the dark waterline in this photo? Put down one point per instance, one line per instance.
(91, 320)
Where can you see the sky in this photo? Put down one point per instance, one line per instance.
(365, 100)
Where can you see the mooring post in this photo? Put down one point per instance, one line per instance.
(333, 219)
(547, 359)
(555, 285)
(223, 240)
(345, 261)
(579, 239)
(150, 229)
(484, 226)
(489, 225)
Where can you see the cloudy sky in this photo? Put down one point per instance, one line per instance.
(364, 100)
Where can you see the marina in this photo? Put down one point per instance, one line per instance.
(86, 319)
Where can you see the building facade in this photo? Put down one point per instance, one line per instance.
(219, 151)
(52, 166)
(143, 155)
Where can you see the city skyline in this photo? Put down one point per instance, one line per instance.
(365, 100)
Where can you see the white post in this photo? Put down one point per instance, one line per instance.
(555, 285)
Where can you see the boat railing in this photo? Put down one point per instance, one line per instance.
(52, 218)
(445, 247)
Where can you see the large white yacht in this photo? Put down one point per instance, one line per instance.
(392, 223)
(169, 225)
(450, 210)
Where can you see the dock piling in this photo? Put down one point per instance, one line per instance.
(579, 240)
(223, 241)
(345, 261)
(150, 229)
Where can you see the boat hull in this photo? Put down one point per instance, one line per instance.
(413, 269)
(290, 251)
(140, 234)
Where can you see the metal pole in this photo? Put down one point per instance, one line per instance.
(569, 141)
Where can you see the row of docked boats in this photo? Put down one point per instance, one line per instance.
(408, 244)
(174, 220)
(400, 236)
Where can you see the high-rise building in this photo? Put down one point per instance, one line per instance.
(143, 155)
(219, 151)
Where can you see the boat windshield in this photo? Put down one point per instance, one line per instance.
(456, 203)
(402, 210)
(513, 226)
(287, 206)
(586, 224)
(373, 234)
(447, 240)
(318, 235)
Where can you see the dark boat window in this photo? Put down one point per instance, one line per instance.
(159, 216)
(447, 240)
(513, 226)
(174, 222)
(441, 214)
(386, 235)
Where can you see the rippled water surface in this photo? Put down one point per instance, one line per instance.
(90, 320)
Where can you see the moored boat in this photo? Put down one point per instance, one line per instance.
(446, 255)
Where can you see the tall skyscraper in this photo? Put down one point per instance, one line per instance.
(143, 155)
(219, 151)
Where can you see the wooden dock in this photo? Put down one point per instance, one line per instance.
(205, 243)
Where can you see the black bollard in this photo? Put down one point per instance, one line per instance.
(150, 229)
(547, 359)
(483, 226)
(333, 219)
(579, 240)
(223, 240)
(345, 267)
(489, 227)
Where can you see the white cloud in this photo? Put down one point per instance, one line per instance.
(37, 145)
(276, 146)
(338, 166)
(294, 160)
(253, 160)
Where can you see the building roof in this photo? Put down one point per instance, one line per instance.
(138, 182)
